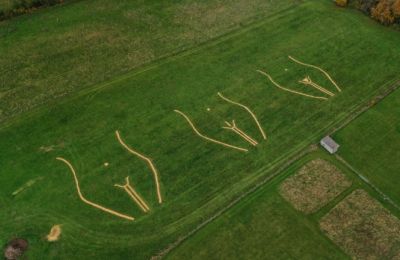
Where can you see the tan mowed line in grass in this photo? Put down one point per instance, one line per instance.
(318, 68)
(206, 137)
(363, 228)
(314, 185)
(234, 128)
(289, 90)
(248, 111)
(95, 205)
(306, 81)
(149, 163)
(133, 194)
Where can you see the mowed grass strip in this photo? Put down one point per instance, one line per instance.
(197, 178)
(62, 49)
(363, 227)
(314, 185)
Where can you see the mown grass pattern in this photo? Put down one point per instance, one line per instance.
(197, 178)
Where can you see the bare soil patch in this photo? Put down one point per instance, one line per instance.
(363, 228)
(15, 249)
(314, 185)
(54, 234)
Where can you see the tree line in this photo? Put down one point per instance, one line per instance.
(386, 12)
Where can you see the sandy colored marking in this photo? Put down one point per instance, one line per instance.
(149, 162)
(232, 126)
(307, 81)
(106, 164)
(134, 198)
(208, 138)
(87, 201)
(54, 234)
(318, 68)
(248, 110)
(315, 85)
(133, 194)
(289, 90)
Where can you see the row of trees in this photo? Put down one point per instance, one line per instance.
(385, 11)
(17, 7)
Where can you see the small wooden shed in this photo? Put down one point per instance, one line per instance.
(329, 144)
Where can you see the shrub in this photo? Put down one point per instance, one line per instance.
(366, 5)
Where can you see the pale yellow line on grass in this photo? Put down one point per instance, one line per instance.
(149, 162)
(208, 138)
(289, 90)
(131, 192)
(87, 201)
(318, 68)
(248, 110)
(239, 132)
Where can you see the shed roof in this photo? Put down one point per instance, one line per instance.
(327, 140)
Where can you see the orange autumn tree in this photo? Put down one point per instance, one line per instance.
(396, 8)
(383, 12)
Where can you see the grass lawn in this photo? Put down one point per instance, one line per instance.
(266, 226)
(197, 178)
(371, 145)
(69, 47)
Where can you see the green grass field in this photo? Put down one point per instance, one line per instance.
(262, 226)
(371, 142)
(266, 226)
(197, 178)
(78, 44)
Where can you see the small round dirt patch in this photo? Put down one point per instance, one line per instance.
(15, 248)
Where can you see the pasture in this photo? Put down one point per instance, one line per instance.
(370, 144)
(267, 224)
(197, 178)
(78, 44)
